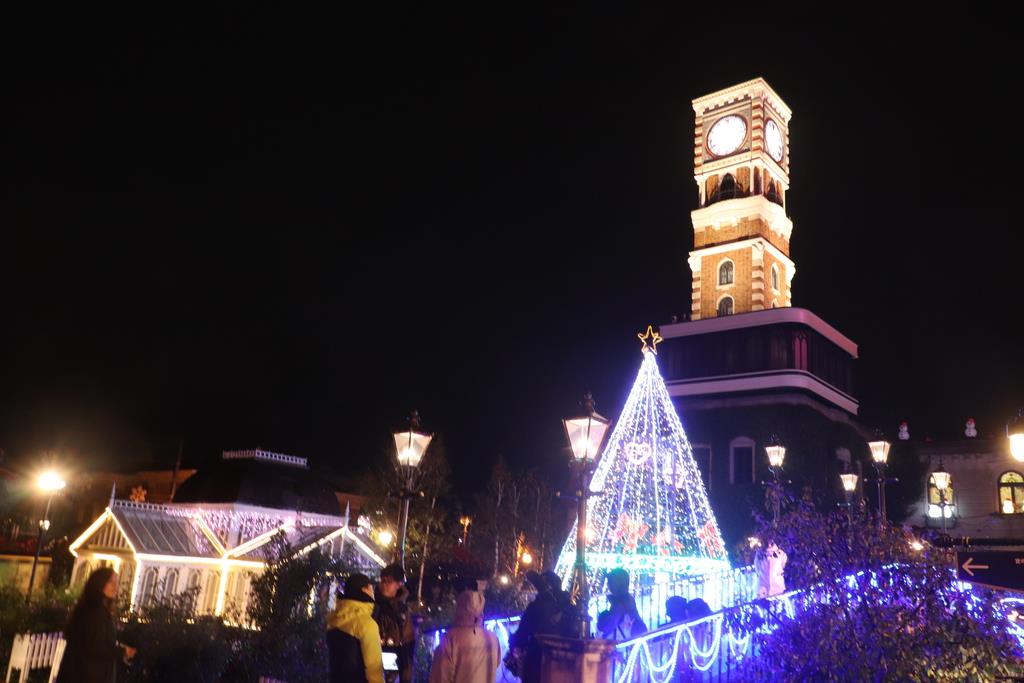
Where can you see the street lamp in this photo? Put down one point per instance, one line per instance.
(849, 480)
(465, 521)
(1015, 433)
(48, 482)
(585, 434)
(880, 455)
(941, 479)
(776, 455)
(410, 445)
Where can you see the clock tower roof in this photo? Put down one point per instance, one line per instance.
(736, 92)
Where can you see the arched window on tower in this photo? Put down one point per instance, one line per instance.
(725, 306)
(773, 193)
(728, 188)
(725, 273)
(775, 277)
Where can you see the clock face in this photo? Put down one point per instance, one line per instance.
(773, 140)
(727, 135)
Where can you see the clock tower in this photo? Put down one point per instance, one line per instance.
(740, 259)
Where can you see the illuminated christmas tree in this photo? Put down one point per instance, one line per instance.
(649, 512)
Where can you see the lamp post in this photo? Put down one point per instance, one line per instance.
(849, 480)
(465, 521)
(1015, 433)
(776, 455)
(585, 434)
(49, 482)
(410, 445)
(941, 478)
(880, 455)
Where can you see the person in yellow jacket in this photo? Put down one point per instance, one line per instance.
(353, 637)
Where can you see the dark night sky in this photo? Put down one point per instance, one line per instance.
(286, 231)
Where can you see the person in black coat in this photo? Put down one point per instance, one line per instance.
(546, 615)
(92, 650)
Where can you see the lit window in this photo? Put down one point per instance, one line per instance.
(725, 306)
(725, 273)
(1011, 493)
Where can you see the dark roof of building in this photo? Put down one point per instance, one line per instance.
(264, 479)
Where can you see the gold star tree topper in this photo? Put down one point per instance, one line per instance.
(654, 338)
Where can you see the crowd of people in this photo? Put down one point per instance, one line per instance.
(370, 632)
(370, 635)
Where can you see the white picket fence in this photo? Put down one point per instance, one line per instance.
(35, 651)
(40, 650)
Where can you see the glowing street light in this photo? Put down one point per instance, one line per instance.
(776, 455)
(1015, 433)
(48, 482)
(585, 434)
(410, 445)
(849, 480)
(465, 521)
(527, 559)
(385, 537)
(880, 455)
(941, 480)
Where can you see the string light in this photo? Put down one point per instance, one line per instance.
(654, 518)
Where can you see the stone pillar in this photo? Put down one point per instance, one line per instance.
(571, 660)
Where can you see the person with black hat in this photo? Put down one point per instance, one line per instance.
(353, 638)
(392, 616)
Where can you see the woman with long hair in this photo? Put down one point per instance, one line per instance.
(92, 649)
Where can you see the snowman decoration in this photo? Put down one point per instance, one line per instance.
(970, 430)
(904, 434)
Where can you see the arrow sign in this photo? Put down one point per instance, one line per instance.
(967, 566)
(1003, 570)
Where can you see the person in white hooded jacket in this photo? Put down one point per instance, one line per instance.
(468, 652)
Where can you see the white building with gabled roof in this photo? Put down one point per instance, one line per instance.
(217, 548)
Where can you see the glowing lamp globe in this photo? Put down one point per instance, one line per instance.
(527, 558)
(410, 446)
(849, 481)
(879, 451)
(776, 454)
(1015, 433)
(585, 434)
(50, 481)
(385, 537)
